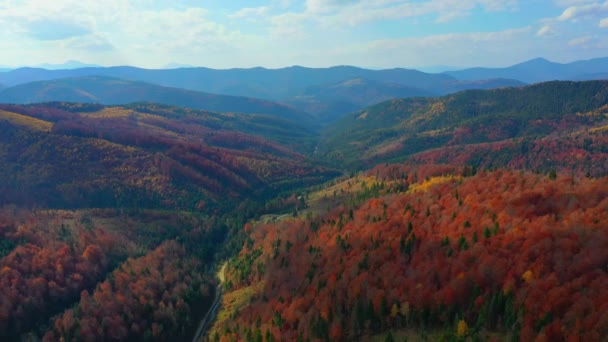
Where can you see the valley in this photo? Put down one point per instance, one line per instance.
(349, 205)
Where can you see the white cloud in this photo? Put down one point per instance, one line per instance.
(499, 5)
(356, 12)
(546, 30)
(583, 11)
(289, 25)
(282, 3)
(285, 32)
(250, 12)
(327, 6)
(477, 48)
(50, 29)
(151, 32)
(580, 41)
(89, 43)
(568, 3)
(183, 34)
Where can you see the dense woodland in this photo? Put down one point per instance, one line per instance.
(521, 254)
(398, 129)
(491, 226)
(74, 156)
(98, 199)
(148, 298)
(53, 259)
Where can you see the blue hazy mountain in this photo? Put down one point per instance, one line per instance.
(273, 84)
(106, 90)
(538, 70)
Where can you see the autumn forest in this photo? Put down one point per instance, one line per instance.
(479, 215)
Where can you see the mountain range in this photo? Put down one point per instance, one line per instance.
(307, 101)
(326, 94)
(112, 91)
(539, 70)
(431, 218)
(273, 84)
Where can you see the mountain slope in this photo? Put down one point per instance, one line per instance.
(396, 129)
(78, 155)
(111, 91)
(537, 70)
(364, 92)
(161, 191)
(330, 102)
(436, 252)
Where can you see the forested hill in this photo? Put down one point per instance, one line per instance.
(82, 155)
(436, 252)
(114, 91)
(114, 217)
(519, 117)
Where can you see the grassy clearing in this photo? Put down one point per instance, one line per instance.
(26, 121)
(232, 303)
(112, 112)
(343, 192)
(333, 195)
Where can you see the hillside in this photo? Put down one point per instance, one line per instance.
(77, 155)
(517, 118)
(54, 259)
(434, 253)
(112, 216)
(363, 92)
(112, 91)
(538, 70)
(329, 102)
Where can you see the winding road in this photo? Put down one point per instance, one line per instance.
(212, 312)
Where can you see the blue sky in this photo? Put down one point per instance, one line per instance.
(316, 33)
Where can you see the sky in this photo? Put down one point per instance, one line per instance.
(313, 33)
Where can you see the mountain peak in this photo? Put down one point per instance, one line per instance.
(537, 61)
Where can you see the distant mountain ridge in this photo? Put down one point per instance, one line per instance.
(113, 91)
(538, 70)
(284, 83)
(365, 92)
(272, 84)
(326, 93)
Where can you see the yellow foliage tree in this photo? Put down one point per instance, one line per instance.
(528, 276)
(463, 329)
(394, 311)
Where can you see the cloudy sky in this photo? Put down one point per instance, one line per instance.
(316, 33)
